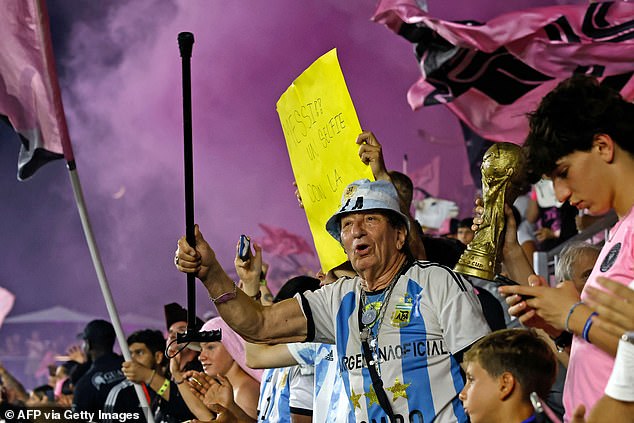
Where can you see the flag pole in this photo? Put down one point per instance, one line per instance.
(81, 205)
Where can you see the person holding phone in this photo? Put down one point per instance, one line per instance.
(382, 321)
(582, 137)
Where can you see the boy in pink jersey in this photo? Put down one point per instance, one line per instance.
(582, 137)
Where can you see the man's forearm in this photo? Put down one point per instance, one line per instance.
(281, 322)
(517, 265)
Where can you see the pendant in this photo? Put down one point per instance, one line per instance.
(369, 316)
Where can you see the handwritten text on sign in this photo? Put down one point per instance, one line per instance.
(320, 125)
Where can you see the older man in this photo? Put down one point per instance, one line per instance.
(400, 327)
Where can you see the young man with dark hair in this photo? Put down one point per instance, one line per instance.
(147, 349)
(582, 137)
(503, 369)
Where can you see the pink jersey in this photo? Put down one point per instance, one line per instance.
(589, 367)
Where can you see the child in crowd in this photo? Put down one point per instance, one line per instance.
(503, 369)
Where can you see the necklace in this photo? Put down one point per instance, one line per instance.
(370, 312)
(371, 316)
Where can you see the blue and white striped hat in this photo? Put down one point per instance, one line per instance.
(363, 195)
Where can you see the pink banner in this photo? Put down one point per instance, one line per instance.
(490, 75)
(281, 242)
(29, 91)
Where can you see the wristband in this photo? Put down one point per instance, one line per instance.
(227, 296)
(562, 341)
(263, 282)
(149, 382)
(586, 327)
(164, 387)
(575, 305)
(178, 383)
(621, 383)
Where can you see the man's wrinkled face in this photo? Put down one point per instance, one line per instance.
(369, 240)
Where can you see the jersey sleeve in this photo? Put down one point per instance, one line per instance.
(305, 353)
(457, 307)
(320, 308)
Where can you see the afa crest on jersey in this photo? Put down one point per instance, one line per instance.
(402, 312)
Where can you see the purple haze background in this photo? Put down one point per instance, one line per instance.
(120, 73)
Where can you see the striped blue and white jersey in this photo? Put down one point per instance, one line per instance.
(431, 314)
(284, 391)
(330, 403)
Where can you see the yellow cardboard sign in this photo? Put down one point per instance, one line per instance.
(321, 127)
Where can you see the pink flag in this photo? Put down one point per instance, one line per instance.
(490, 75)
(6, 303)
(281, 242)
(428, 177)
(29, 91)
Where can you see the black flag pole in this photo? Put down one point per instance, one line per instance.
(185, 45)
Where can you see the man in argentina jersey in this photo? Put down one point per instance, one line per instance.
(432, 314)
(417, 317)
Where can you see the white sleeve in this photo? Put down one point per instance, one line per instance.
(320, 308)
(305, 353)
(457, 307)
(621, 383)
(525, 232)
(301, 392)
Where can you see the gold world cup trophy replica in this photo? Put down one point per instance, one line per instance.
(502, 179)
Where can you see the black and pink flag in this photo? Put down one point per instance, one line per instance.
(490, 75)
(30, 98)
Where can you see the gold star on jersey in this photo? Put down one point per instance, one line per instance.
(371, 395)
(355, 399)
(398, 389)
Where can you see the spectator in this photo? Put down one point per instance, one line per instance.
(105, 372)
(503, 369)
(428, 311)
(582, 137)
(227, 380)
(616, 311)
(147, 349)
(576, 262)
(176, 323)
(464, 233)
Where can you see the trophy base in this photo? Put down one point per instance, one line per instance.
(473, 264)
